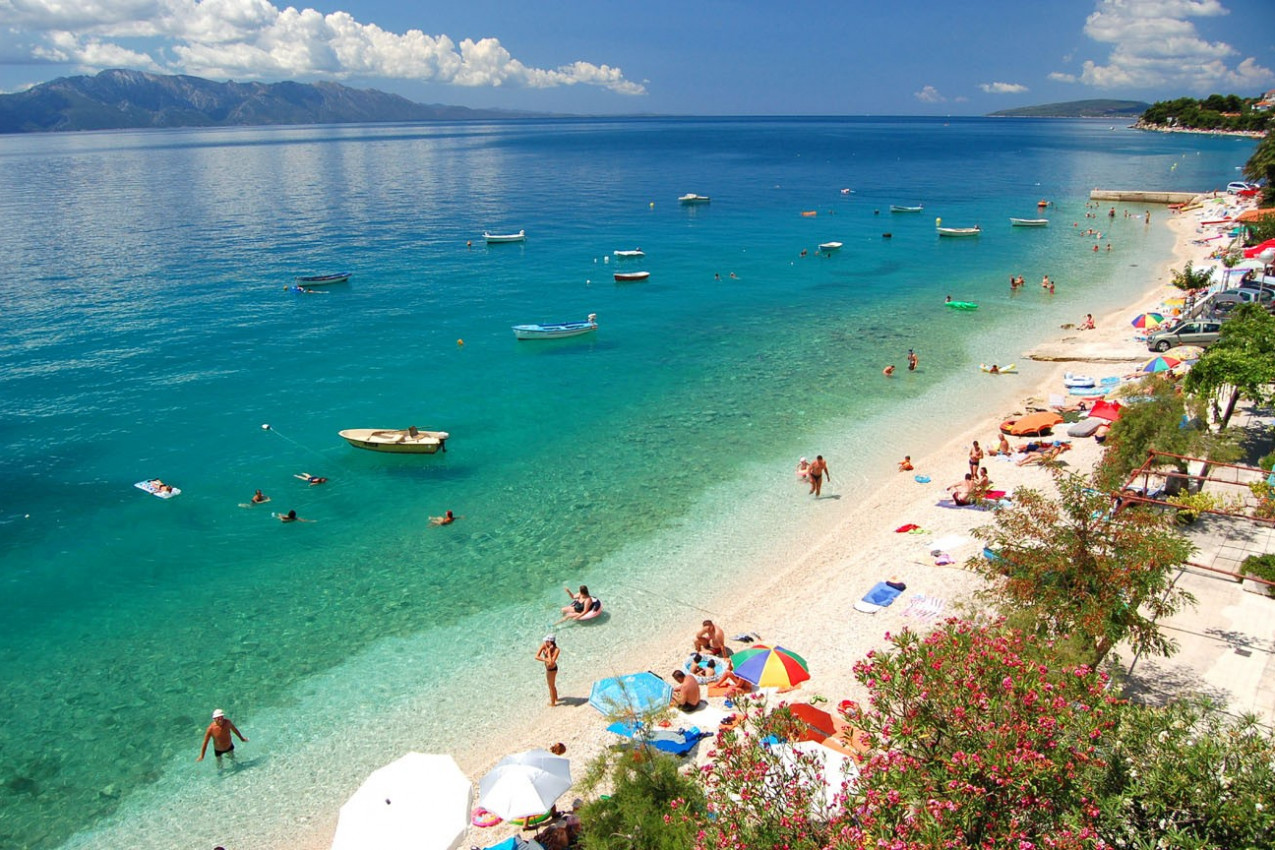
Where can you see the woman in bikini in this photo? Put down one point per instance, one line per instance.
(548, 654)
(581, 603)
(976, 458)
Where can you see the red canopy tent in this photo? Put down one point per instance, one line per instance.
(1108, 410)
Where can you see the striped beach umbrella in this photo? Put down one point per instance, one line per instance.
(1159, 364)
(1147, 320)
(771, 667)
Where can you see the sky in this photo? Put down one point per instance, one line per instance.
(671, 57)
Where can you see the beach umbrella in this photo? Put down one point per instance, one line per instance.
(1188, 352)
(770, 667)
(1158, 364)
(1255, 215)
(525, 784)
(1248, 265)
(420, 802)
(1108, 410)
(824, 771)
(1033, 423)
(634, 695)
(1147, 320)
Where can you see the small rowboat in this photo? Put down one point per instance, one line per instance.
(1029, 222)
(897, 208)
(497, 238)
(624, 255)
(692, 198)
(409, 441)
(829, 247)
(630, 277)
(959, 231)
(558, 330)
(323, 279)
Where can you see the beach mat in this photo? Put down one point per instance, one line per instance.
(879, 597)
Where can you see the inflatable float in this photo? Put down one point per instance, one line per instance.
(999, 370)
(594, 610)
(158, 488)
(719, 665)
(483, 818)
(1070, 380)
(961, 305)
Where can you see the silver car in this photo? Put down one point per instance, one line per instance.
(1186, 333)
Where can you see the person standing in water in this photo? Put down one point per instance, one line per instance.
(219, 733)
(816, 474)
(912, 360)
(548, 655)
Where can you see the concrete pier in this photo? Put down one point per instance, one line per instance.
(1130, 197)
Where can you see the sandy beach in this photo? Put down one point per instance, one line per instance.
(807, 602)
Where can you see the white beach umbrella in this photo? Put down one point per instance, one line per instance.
(810, 763)
(420, 802)
(525, 784)
(1246, 265)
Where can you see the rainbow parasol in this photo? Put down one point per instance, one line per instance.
(1159, 364)
(771, 667)
(1147, 320)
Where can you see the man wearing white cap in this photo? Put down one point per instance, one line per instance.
(219, 731)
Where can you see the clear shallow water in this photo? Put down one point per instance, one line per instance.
(145, 333)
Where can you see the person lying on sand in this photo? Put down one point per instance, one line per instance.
(1045, 455)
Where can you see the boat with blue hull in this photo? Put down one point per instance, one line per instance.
(559, 330)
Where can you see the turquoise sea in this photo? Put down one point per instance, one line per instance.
(145, 332)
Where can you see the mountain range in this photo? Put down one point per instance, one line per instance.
(119, 99)
(1121, 109)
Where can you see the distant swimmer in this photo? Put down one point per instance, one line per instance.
(912, 360)
(259, 498)
(446, 519)
(291, 516)
(888, 370)
(311, 479)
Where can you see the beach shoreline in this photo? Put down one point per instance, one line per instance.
(833, 568)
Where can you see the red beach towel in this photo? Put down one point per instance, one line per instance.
(904, 529)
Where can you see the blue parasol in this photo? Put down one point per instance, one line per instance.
(635, 694)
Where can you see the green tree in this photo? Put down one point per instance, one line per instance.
(650, 805)
(1189, 278)
(1074, 570)
(1190, 777)
(1162, 419)
(1239, 365)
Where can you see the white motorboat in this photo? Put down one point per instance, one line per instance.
(399, 441)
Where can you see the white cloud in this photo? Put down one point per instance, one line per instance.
(248, 39)
(1060, 77)
(1154, 43)
(929, 94)
(1003, 88)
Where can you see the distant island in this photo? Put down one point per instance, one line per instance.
(1121, 109)
(122, 100)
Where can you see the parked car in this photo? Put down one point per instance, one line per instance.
(1185, 333)
(1240, 186)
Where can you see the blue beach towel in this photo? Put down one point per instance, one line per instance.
(880, 596)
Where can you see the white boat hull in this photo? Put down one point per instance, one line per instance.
(959, 231)
(829, 247)
(498, 238)
(694, 199)
(397, 441)
(560, 330)
(631, 277)
(1029, 222)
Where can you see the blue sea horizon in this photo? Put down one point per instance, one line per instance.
(147, 334)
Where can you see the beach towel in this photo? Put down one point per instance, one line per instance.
(678, 742)
(924, 608)
(879, 597)
(904, 529)
(949, 502)
(950, 541)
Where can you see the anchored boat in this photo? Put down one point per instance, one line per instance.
(558, 330)
(411, 441)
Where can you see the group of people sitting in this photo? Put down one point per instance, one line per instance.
(563, 831)
(972, 489)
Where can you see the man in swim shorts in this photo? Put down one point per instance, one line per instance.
(219, 732)
(685, 692)
(816, 474)
(711, 639)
